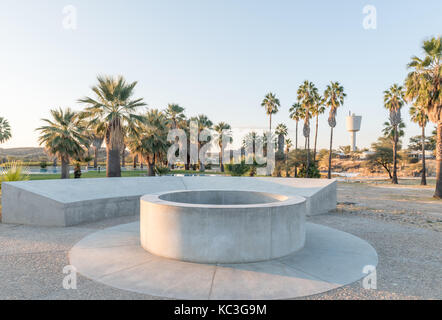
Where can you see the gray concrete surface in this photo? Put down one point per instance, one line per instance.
(62, 203)
(330, 259)
(222, 226)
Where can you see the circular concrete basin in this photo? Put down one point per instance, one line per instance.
(222, 226)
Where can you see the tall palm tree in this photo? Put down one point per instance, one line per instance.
(288, 145)
(418, 115)
(203, 122)
(64, 136)
(251, 140)
(423, 86)
(221, 129)
(306, 93)
(296, 113)
(97, 142)
(176, 117)
(393, 101)
(318, 109)
(281, 131)
(5, 130)
(271, 105)
(333, 98)
(109, 112)
(149, 140)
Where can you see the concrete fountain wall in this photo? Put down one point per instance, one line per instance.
(222, 226)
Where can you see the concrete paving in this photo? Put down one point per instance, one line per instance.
(329, 259)
(62, 203)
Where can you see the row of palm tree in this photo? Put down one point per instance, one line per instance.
(113, 116)
(310, 105)
(422, 89)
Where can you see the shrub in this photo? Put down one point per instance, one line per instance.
(237, 169)
(161, 170)
(13, 171)
(252, 171)
(313, 172)
(43, 164)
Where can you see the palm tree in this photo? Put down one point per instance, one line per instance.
(306, 93)
(96, 141)
(65, 137)
(318, 109)
(393, 101)
(149, 140)
(333, 98)
(296, 113)
(271, 105)
(111, 111)
(251, 140)
(288, 145)
(423, 86)
(419, 116)
(281, 131)
(203, 123)
(176, 117)
(5, 130)
(221, 129)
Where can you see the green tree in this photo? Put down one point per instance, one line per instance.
(419, 116)
(306, 97)
(288, 146)
(382, 155)
(296, 113)
(222, 128)
(423, 86)
(318, 109)
(64, 136)
(177, 119)
(281, 132)
(203, 123)
(333, 98)
(149, 140)
(5, 130)
(271, 105)
(109, 112)
(393, 101)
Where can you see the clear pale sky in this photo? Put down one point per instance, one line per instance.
(214, 57)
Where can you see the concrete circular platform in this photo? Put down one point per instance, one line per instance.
(329, 259)
(222, 226)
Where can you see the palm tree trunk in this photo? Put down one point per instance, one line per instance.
(123, 157)
(113, 168)
(95, 158)
(296, 148)
(221, 165)
(438, 191)
(424, 174)
(330, 154)
(316, 138)
(135, 161)
(395, 138)
(151, 166)
(64, 167)
(308, 157)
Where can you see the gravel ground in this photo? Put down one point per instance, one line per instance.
(405, 233)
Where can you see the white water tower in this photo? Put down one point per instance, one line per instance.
(353, 125)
